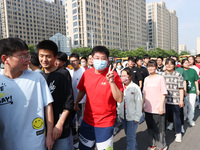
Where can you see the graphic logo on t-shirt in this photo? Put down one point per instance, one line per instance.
(52, 87)
(5, 97)
(37, 123)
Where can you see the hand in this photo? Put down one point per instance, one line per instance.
(57, 131)
(197, 92)
(110, 75)
(49, 142)
(160, 110)
(181, 104)
(185, 93)
(76, 108)
(142, 108)
(135, 122)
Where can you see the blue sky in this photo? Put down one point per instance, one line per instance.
(188, 12)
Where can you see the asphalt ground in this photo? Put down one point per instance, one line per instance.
(190, 139)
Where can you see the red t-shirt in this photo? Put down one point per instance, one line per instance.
(100, 107)
(198, 65)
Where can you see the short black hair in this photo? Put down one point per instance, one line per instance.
(9, 46)
(152, 63)
(74, 55)
(198, 55)
(62, 56)
(128, 71)
(89, 54)
(160, 57)
(100, 49)
(183, 61)
(170, 60)
(146, 56)
(131, 58)
(34, 59)
(48, 45)
(138, 58)
(84, 58)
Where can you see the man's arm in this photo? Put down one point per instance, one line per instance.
(79, 97)
(49, 122)
(181, 92)
(197, 87)
(117, 94)
(140, 84)
(58, 129)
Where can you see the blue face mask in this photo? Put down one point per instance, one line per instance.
(100, 64)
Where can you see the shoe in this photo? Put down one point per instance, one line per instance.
(76, 145)
(192, 123)
(178, 138)
(170, 127)
(182, 129)
(151, 148)
(165, 148)
(199, 106)
(185, 118)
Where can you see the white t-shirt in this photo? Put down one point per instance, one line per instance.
(76, 76)
(195, 68)
(22, 102)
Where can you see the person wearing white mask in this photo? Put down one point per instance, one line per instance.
(130, 110)
(118, 68)
(84, 63)
(104, 88)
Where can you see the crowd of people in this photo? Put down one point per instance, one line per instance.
(46, 105)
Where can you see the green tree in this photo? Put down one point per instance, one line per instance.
(83, 51)
(184, 53)
(31, 48)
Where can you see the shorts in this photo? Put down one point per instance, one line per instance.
(89, 135)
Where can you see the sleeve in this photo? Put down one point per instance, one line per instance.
(144, 86)
(180, 81)
(69, 102)
(118, 82)
(81, 86)
(138, 104)
(196, 77)
(45, 93)
(146, 73)
(163, 86)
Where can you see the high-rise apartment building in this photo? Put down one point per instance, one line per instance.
(198, 45)
(113, 23)
(1, 35)
(32, 20)
(162, 26)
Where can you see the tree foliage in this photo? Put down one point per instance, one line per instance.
(84, 51)
(184, 53)
(31, 48)
(139, 52)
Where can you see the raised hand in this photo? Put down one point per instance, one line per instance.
(110, 75)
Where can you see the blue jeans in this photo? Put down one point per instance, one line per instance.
(130, 128)
(64, 144)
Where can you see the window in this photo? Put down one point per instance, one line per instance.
(75, 42)
(75, 17)
(75, 30)
(73, 5)
(74, 11)
(76, 36)
(75, 23)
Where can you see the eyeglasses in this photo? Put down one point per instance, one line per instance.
(23, 57)
(73, 61)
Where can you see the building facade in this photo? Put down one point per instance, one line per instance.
(1, 35)
(116, 24)
(32, 20)
(182, 47)
(162, 26)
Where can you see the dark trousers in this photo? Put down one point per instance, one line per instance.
(173, 114)
(156, 129)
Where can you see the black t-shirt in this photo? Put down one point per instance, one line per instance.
(60, 86)
(160, 69)
(136, 75)
(144, 73)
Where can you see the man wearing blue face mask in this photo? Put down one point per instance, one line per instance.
(104, 88)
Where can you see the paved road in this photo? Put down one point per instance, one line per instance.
(190, 141)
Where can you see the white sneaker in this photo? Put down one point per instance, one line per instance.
(178, 137)
(170, 127)
(182, 129)
(192, 123)
(185, 118)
